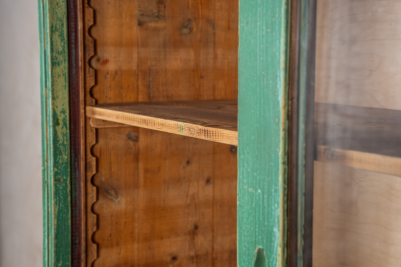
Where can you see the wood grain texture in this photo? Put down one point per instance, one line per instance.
(77, 126)
(359, 137)
(55, 133)
(163, 199)
(262, 120)
(356, 217)
(293, 108)
(357, 53)
(90, 135)
(96, 123)
(372, 130)
(360, 160)
(187, 213)
(354, 128)
(214, 120)
(356, 214)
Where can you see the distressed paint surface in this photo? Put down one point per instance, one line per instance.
(55, 133)
(262, 130)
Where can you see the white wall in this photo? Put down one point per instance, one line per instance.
(20, 141)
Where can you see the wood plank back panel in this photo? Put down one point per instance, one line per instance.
(357, 59)
(357, 215)
(357, 212)
(164, 200)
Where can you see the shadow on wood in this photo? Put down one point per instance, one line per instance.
(260, 258)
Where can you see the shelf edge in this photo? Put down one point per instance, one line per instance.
(169, 126)
(360, 160)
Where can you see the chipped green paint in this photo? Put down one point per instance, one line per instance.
(262, 120)
(55, 133)
(181, 128)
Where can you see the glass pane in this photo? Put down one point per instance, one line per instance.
(357, 134)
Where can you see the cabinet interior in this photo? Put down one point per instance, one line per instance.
(154, 198)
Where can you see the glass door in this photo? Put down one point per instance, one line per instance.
(349, 133)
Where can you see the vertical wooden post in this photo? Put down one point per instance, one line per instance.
(263, 103)
(55, 133)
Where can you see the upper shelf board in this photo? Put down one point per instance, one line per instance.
(212, 120)
(371, 130)
(363, 138)
(374, 131)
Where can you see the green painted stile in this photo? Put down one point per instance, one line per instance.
(55, 133)
(262, 120)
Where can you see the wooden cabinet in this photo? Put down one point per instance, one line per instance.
(146, 160)
(220, 133)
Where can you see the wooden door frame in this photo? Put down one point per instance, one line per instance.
(263, 132)
(56, 158)
(275, 132)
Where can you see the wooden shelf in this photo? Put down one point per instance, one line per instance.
(360, 160)
(212, 120)
(370, 130)
(359, 137)
(363, 138)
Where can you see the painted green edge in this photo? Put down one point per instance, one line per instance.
(55, 133)
(302, 106)
(44, 134)
(262, 120)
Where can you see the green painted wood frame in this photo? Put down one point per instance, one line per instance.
(263, 108)
(55, 133)
(262, 132)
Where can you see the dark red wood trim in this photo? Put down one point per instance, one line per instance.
(292, 194)
(76, 137)
(310, 136)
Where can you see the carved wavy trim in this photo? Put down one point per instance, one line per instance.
(91, 166)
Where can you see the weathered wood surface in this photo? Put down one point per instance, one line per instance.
(360, 160)
(77, 136)
(162, 199)
(357, 216)
(212, 120)
(55, 133)
(359, 137)
(262, 133)
(343, 133)
(372, 130)
(293, 100)
(357, 55)
(357, 210)
(96, 123)
(90, 166)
